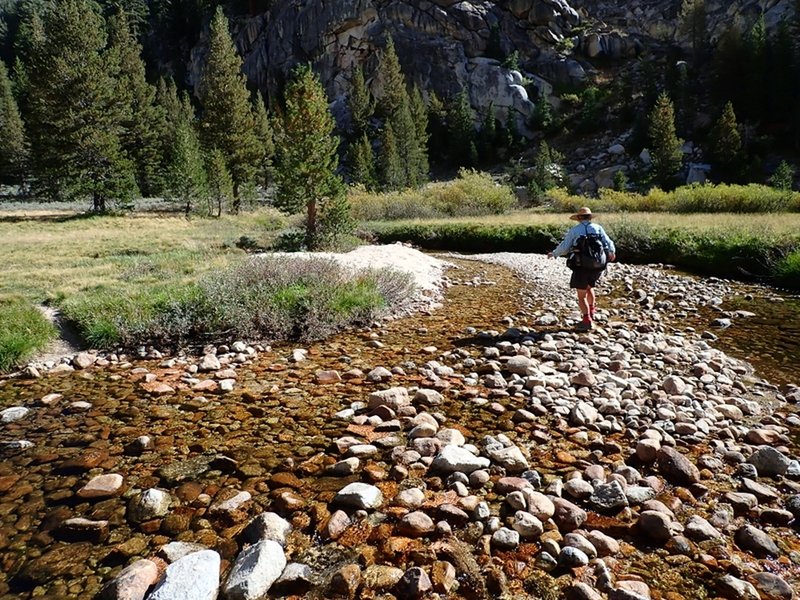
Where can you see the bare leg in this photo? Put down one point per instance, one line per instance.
(590, 301)
(583, 304)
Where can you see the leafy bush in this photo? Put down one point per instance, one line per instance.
(473, 237)
(471, 194)
(787, 270)
(23, 331)
(272, 298)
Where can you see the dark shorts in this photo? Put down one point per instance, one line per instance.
(581, 279)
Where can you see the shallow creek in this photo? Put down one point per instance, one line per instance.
(272, 435)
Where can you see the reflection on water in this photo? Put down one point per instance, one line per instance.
(769, 340)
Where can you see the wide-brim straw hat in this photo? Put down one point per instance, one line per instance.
(583, 211)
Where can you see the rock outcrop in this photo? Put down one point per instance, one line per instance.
(446, 46)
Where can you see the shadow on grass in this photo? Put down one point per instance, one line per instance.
(49, 217)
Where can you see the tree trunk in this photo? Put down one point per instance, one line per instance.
(237, 202)
(311, 225)
(98, 203)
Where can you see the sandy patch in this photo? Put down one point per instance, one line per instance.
(426, 270)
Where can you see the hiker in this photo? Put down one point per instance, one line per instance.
(590, 249)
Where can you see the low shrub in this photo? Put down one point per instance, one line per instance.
(267, 298)
(107, 318)
(787, 270)
(471, 194)
(23, 331)
(472, 237)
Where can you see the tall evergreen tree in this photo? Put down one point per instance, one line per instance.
(74, 112)
(307, 150)
(419, 114)
(14, 153)
(359, 102)
(487, 136)
(725, 145)
(266, 138)
(692, 22)
(220, 184)
(437, 128)
(362, 162)
(727, 62)
(396, 109)
(390, 167)
(189, 182)
(756, 69)
(461, 128)
(665, 146)
(228, 122)
(170, 111)
(140, 134)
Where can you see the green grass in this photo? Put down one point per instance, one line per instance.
(23, 331)
(266, 298)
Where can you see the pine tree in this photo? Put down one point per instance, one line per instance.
(756, 68)
(725, 144)
(419, 114)
(461, 129)
(487, 137)
(189, 182)
(547, 170)
(14, 154)
(362, 163)
(437, 127)
(390, 167)
(692, 23)
(170, 111)
(395, 107)
(74, 113)
(307, 151)
(665, 146)
(783, 177)
(220, 184)
(140, 135)
(266, 137)
(360, 103)
(727, 62)
(510, 133)
(228, 123)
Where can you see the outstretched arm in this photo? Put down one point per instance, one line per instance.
(563, 248)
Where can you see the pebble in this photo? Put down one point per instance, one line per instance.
(14, 413)
(360, 496)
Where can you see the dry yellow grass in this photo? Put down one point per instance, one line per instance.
(49, 254)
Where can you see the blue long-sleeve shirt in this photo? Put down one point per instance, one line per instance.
(580, 229)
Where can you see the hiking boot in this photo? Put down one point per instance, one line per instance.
(584, 325)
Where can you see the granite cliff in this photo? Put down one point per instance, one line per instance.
(449, 45)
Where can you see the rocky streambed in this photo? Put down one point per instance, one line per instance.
(482, 450)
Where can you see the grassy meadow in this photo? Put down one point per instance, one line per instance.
(147, 277)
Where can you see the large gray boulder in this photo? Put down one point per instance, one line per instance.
(255, 570)
(193, 577)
